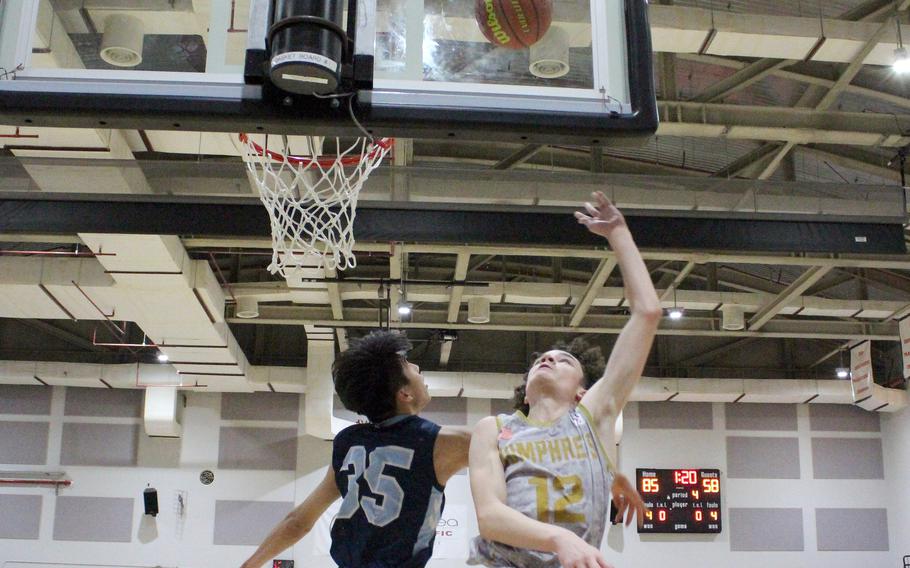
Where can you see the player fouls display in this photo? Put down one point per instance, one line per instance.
(680, 500)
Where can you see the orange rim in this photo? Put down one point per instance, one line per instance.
(328, 161)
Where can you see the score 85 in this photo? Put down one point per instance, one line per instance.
(710, 485)
(650, 485)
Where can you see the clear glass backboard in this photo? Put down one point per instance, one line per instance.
(422, 68)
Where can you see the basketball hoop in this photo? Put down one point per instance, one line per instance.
(312, 201)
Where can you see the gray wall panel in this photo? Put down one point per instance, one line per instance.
(852, 529)
(25, 524)
(762, 458)
(23, 443)
(339, 411)
(447, 411)
(24, 399)
(766, 530)
(158, 452)
(115, 445)
(747, 416)
(119, 403)
(676, 415)
(847, 458)
(258, 448)
(94, 519)
(260, 406)
(842, 418)
(501, 406)
(247, 522)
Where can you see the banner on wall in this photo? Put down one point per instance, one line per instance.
(451, 532)
(904, 327)
(861, 379)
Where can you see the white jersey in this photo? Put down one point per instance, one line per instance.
(556, 473)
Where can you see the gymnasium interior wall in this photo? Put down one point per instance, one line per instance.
(803, 485)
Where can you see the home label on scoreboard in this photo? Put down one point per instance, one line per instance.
(680, 500)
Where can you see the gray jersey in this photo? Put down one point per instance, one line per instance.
(555, 473)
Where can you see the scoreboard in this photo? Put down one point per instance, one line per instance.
(680, 500)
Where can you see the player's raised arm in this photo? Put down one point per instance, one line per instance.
(607, 397)
(298, 523)
(499, 522)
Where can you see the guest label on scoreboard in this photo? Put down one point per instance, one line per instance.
(680, 500)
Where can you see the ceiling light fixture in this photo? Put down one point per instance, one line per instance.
(843, 372)
(901, 63)
(675, 313)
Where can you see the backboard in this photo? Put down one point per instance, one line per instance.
(420, 68)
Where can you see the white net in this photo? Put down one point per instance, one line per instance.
(312, 202)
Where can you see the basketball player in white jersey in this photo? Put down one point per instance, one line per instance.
(541, 483)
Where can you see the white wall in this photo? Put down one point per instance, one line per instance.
(167, 543)
(896, 431)
(707, 449)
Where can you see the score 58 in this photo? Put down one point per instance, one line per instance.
(710, 485)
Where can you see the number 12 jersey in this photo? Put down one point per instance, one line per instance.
(556, 473)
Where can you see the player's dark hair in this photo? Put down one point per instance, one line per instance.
(592, 365)
(369, 374)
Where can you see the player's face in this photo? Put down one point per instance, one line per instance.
(556, 372)
(417, 385)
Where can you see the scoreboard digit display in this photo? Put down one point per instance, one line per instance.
(680, 500)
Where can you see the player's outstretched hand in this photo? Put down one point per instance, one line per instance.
(574, 552)
(602, 216)
(628, 502)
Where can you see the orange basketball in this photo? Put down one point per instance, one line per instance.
(513, 24)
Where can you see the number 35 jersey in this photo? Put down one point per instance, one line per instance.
(392, 500)
(555, 473)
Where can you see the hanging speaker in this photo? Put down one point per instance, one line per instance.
(479, 309)
(150, 499)
(733, 317)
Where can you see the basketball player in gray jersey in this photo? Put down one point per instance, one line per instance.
(541, 482)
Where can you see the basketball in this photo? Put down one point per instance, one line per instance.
(514, 24)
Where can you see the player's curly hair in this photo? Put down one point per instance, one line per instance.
(592, 362)
(368, 375)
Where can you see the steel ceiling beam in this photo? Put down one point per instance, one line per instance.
(67, 336)
(799, 77)
(534, 322)
(713, 354)
(782, 124)
(801, 284)
(829, 98)
(520, 156)
(603, 271)
(461, 272)
(753, 72)
(855, 159)
(896, 262)
(396, 263)
(743, 78)
(741, 166)
(334, 295)
(458, 224)
(680, 277)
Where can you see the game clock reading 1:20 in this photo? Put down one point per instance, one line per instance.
(680, 500)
